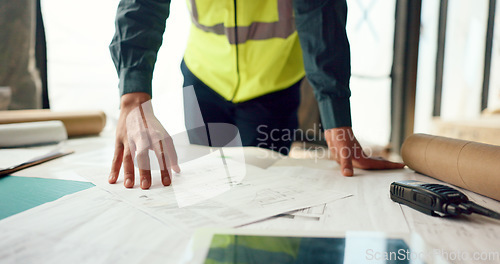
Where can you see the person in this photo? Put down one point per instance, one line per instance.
(245, 60)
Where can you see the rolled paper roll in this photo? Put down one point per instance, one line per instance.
(77, 123)
(467, 164)
(32, 133)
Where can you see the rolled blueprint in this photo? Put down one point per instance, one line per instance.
(467, 164)
(32, 133)
(77, 123)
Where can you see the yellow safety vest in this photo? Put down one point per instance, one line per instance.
(244, 49)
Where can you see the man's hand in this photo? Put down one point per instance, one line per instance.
(137, 132)
(347, 151)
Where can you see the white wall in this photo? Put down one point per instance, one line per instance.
(494, 93)
(370, 28)
(464, 59)
(81, 74)
(427, 51)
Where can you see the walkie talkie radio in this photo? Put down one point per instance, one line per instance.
(436, 199)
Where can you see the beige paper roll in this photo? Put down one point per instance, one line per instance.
(77, 123)
(467, 164)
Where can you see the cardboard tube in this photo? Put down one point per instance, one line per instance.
(467, 164)
(77, 123)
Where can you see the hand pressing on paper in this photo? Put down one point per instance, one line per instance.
(137, 132)
(347, 151)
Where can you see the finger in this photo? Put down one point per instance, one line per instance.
(172, 154)
(378, 164)
(346, 161)
(163, 160)
(396, 165)
(131, 147)
(117, 163)
(128, 168)
(144, 169)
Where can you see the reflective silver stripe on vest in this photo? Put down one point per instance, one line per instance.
(283, 28)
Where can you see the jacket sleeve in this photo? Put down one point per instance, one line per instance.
(321, 28)
(139, 32)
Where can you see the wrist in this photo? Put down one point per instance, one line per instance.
(340, 134)
(336, 129)
(132, 100)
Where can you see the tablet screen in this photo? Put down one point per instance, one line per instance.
(230, 248)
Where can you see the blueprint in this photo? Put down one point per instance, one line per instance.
(210, 191)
